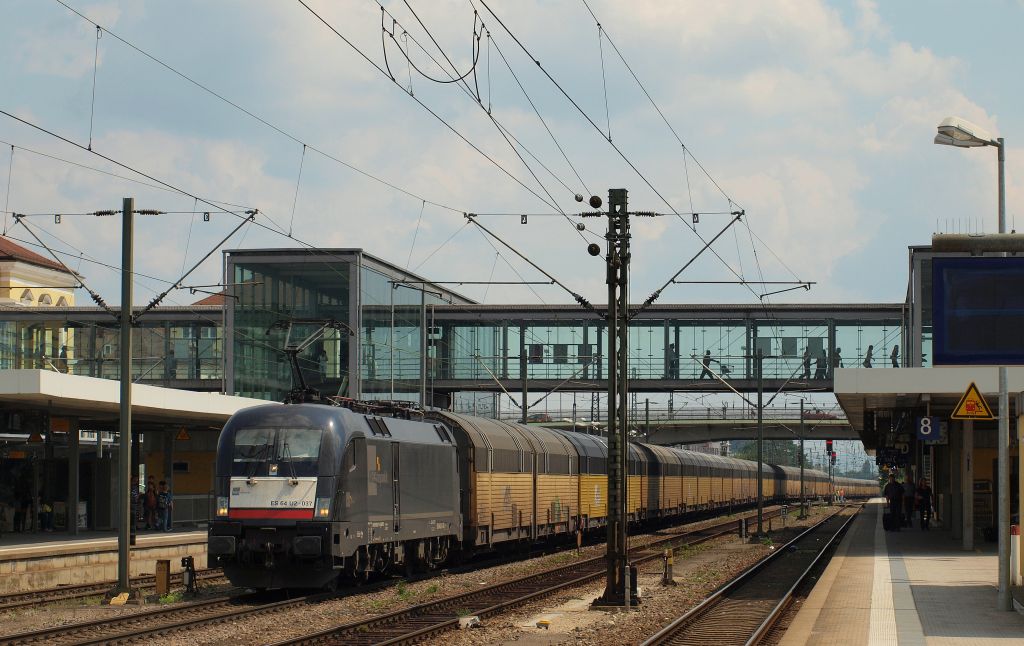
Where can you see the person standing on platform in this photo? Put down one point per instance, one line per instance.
(895, 356)
(807, 362)
(868, 356)
(909, 491)
(164, 505)
(924, 503)
(893, 492)
(149, 502)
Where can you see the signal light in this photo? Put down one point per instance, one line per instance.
(828, 447)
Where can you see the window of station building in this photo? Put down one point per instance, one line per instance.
(26, 297)
(179, 467)
(45, 299)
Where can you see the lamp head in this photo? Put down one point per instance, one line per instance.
(954, 131)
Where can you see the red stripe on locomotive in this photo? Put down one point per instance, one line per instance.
(301, 514)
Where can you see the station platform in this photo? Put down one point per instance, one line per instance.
(48, 560)
(904, 588)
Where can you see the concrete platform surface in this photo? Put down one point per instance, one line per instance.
(907, 588)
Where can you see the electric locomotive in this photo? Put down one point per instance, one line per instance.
(305, 492)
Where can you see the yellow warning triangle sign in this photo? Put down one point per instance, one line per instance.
(183, 435)
(972, 405)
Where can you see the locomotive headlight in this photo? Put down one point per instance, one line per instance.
(323, 507)
(222, 505)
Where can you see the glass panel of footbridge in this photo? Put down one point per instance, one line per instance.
(869, 344)
(794, 349)
(701, 349)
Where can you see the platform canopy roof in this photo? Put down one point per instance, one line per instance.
(860, 391)
(96, 402)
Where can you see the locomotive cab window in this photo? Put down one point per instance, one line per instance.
(282, 452)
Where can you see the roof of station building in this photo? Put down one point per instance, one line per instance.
(343, 254)
(10, 250)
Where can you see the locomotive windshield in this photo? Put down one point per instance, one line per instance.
(276, 451)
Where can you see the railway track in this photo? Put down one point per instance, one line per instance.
(84, 590)
(745, 610)
(425, 620)
(159, 621)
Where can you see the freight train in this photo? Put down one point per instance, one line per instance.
(309, 494)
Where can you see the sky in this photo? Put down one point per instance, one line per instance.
(814, 119)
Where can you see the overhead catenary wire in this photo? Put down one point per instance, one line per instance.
(429, 110)
(253, 115)
(579, 299)
(707, 245)
(614, 146)
(511, 266)
(188, 237)
(653, 103)
(95, 67)
(160, 297)
(105, 172)
(604, 81)
(541, 118)
(477, 99)
(92, 294)
(441, 246)
(513, 142)
(298, 182)
(688, 152)
(415, 234)
(7, 199)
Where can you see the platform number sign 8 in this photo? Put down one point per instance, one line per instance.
(928, 428)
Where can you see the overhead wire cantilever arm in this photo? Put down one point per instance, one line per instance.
(737, 215)
(802, 285)
(156, 301)
(579, 299)
(95, 297)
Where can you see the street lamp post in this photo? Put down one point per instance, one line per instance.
(954, 131)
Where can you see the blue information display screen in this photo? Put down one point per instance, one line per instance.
(978, 311)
